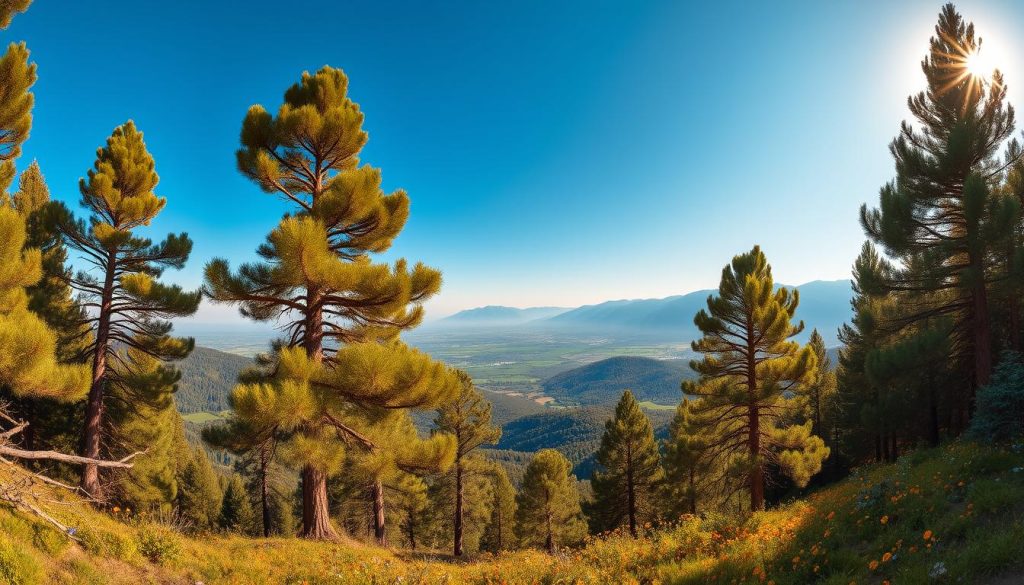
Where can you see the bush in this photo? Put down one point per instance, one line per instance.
(1000, 405)
(158, 543)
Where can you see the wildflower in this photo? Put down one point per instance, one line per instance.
(927, 534)
(831, 515)
(117, 509)
(873, 565)
(886, 557)
(885, 520)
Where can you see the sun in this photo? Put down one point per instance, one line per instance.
(978, 64)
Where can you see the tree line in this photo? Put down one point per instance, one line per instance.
(321, 429)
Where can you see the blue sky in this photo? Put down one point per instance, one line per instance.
(556, 153)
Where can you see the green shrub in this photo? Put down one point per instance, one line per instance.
(159, 544)
(106, 543)
(1000, 404)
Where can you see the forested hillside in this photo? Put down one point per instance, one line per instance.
(207, 377)
(602, 382)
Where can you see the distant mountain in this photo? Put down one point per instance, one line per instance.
(604, 381)
(824, 305)
(207, 377)
(497, 315)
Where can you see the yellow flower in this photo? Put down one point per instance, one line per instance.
(885, 520)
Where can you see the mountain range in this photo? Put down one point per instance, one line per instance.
(824, 305)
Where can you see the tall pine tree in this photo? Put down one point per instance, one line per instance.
(687, 465)
(629, 473)
(316, 276)
(749, 370)
(468, 420)
(127, 306)
(942, 215)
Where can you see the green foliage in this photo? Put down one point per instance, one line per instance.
(999, 414)
(159, 544)
(687, 465)
(199, 494)
(628, 477)
(601, 382)
(207, 377)
(236, 513)
(749, 374)
(548, 505)
(499, 535)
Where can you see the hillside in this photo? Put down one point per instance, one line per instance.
(949, 515)
(207, 377)
(576, 432)
(604, 381)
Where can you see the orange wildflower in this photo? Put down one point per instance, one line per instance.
(927, 534)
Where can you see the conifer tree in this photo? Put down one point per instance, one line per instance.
(499, 534)
(127, 306)
(259, 445)
(143, 417)
(468, 420)
(820, 390)
(236, 514)
(317, 278)
(548, 505)
(629, 473)
(749, 368)
(942, 215)
(412, 505)
(686, 462)
(199, 493)
(29, 364)
(49, 421)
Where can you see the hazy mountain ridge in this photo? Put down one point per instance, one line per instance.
(603, 382)
(492, 315)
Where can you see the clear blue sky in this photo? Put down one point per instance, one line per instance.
(556, 153)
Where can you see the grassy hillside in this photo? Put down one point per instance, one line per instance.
(603, 382)
(950, 515)
(207, 377)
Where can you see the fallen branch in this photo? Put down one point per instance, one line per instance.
(65, 458)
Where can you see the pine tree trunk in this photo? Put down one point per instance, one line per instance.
(264, 492)
(754, 424)
(630, 491)
(379, 532)
(316, 517)
(93, 429)
(316, 520)
(410, 527)
(982, 332)
(549, 537)
(458, 509)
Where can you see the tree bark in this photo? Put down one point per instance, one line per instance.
(379, 532)
(93, 429)
(316, 523)
(630, 491)
(264, 492)
(754, 424)
(982, 332)
(457, 549)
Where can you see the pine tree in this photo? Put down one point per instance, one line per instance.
(943, 213)
(629, 473)
(499, 534)
(236, 514)
(749, 368)
(821, 389)
(548, 505)
(686, 462)
(143, 417)
(412, 505)
(317, 276)
(29, 365)
(256, 447)
(49, 421)
(468, 420)
(199, 493)
(128, 307)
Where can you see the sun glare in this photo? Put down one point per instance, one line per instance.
(979, 65)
